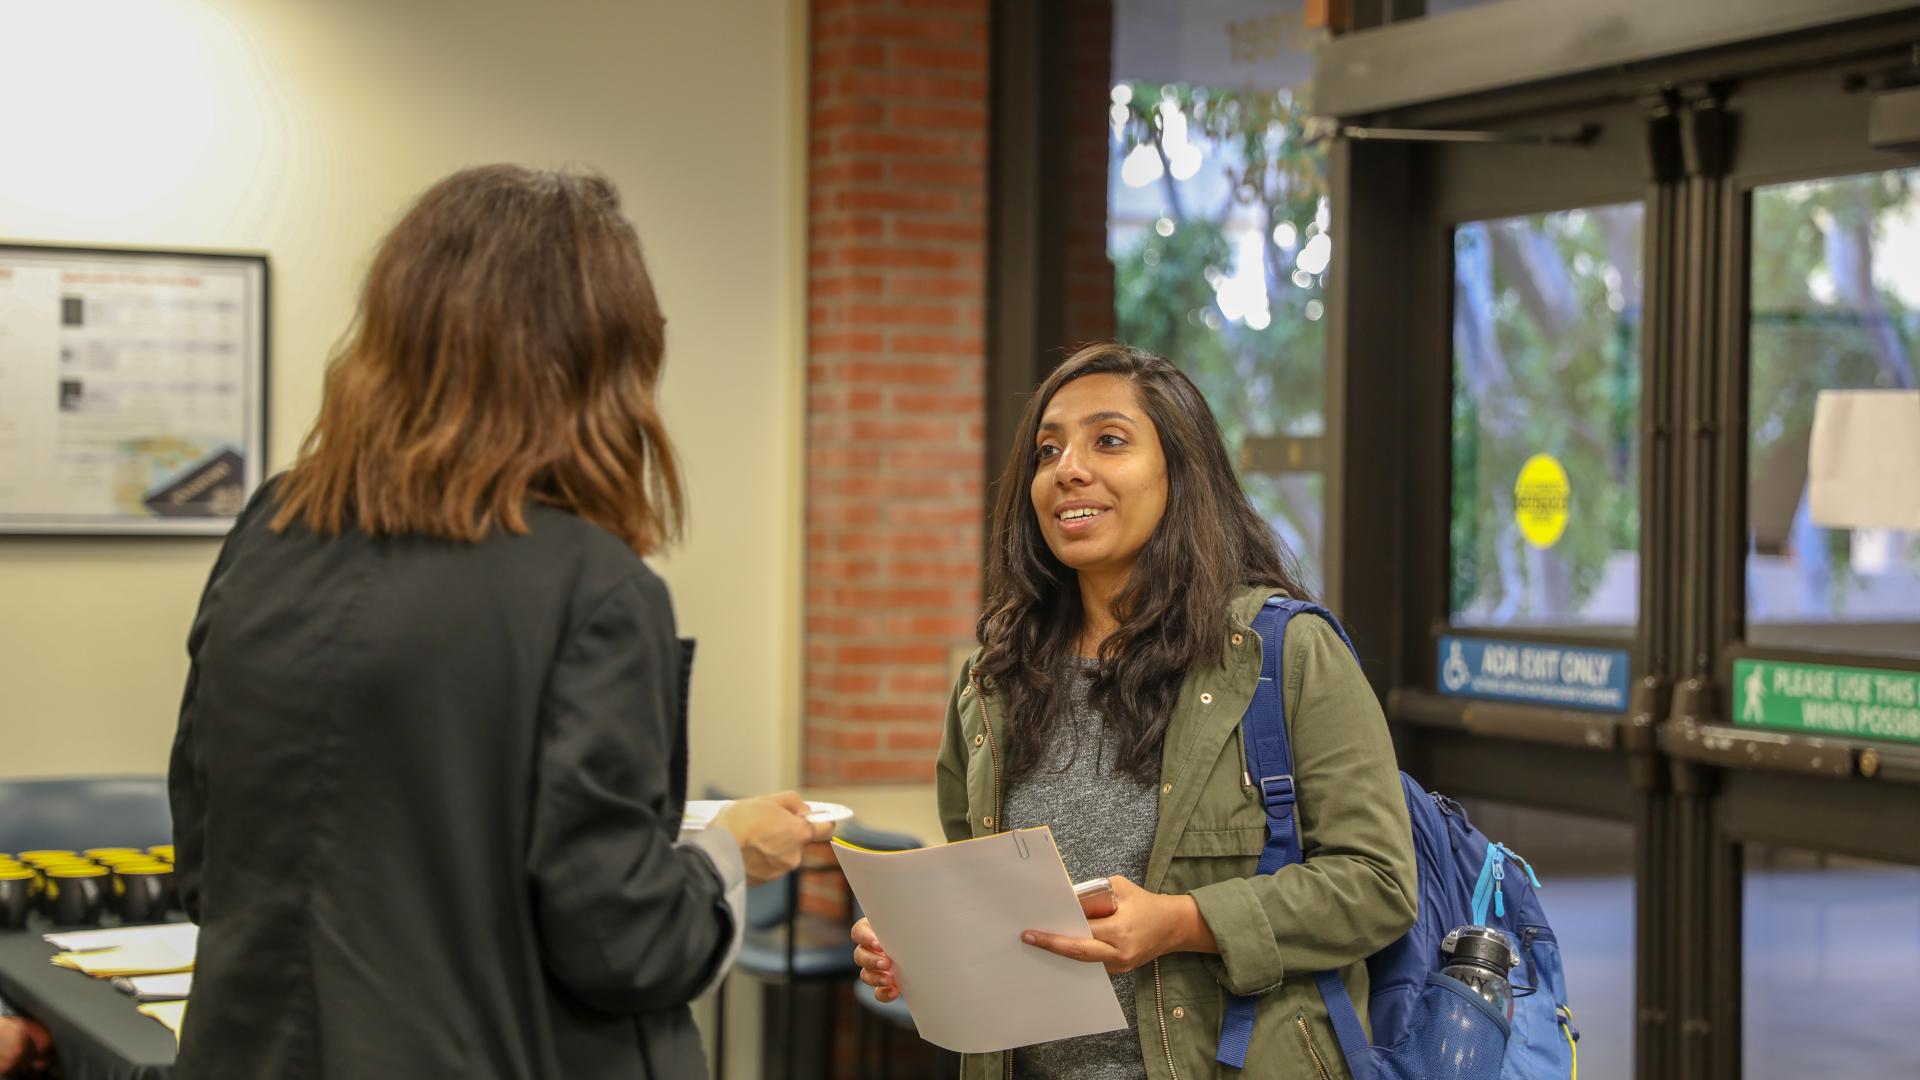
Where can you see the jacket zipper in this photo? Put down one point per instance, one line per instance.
(1160, 1010)
(993, 750)
(1306, 1037)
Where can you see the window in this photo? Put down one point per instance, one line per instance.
(1218, 233)
(1834, 304)
(1546, 414)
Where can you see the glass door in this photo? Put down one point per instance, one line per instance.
(1810, 740)
(1517, 399)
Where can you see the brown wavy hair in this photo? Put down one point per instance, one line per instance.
(507, 349)
(1209, 544)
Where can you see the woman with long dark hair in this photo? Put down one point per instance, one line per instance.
(431, 762)
(1117, 656)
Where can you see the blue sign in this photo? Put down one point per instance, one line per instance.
(1561, 676)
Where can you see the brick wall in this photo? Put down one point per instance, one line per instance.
(897, 233)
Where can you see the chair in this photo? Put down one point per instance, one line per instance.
(893, 1014)
(83, 812)
(787, 947)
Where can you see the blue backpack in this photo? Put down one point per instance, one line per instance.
(1426, 1025)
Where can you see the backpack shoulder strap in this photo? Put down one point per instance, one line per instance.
(1270, 765)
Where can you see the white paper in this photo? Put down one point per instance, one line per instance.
(157, 987)
(1863, 466)
(182, 937)
(951, 917)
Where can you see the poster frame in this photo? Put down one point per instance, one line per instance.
(257, 381)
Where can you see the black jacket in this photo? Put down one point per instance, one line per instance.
(425, 797)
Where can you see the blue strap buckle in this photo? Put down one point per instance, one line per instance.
(1277, 790)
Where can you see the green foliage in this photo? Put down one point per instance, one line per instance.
(1259, 381)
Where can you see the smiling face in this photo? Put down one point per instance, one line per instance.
(1100, 479)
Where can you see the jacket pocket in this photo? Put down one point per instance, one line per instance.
(1206, 856)
(1312, 1047)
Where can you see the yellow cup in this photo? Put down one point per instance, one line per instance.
(76, 893)
(18, 887)
(42, 861)
(142, 891)
(163, 851)
(29, 856)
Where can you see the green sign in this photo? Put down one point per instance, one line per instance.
(1861, 703)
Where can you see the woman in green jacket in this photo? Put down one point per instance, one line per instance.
(1117, 658)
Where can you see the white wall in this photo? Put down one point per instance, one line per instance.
(303, 129)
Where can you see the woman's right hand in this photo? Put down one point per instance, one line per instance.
(876, 967)
(772, 831)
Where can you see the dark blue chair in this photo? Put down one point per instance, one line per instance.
(893, 1015)
(83, 812)
(786, 947)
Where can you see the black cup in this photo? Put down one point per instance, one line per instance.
(75, 897)
(17, 888)
(141, 893)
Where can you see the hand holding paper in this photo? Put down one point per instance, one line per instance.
(951, 918)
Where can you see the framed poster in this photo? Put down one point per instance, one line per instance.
(133, 390)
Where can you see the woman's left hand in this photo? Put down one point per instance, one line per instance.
(1144, 927)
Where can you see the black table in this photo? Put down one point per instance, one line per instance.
(96, 1033)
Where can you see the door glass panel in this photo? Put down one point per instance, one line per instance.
(1835, 305)
(1831, 966)
(1546, 416)
(1586, 876)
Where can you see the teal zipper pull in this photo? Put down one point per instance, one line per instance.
(1499, 853)
(1525, 865)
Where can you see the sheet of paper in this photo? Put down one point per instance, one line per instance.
(149, 959)
(951, 918)
(1863, 467)
(156, 987)
(182, 936)
(171, 1013)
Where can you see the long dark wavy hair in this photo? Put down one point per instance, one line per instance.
(1172, 612)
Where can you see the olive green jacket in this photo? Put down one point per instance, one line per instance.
(1352, 896)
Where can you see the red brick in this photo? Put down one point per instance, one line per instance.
(969, 117)
(938, 175)
(884, 599)
(895, 200)
(914, 682)
(892, 86)
(913, 739)
(950, 31)
(959, 232)
(958, 288)
(903, 314)
(885, 770)
(841, 285)
(937, 345)
(900, 373)
(963, 60)
(944, 627)
(893, 653)
(922, 258)
(846, 342)
(848, 113)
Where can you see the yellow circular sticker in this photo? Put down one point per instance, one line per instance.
(1540, 500)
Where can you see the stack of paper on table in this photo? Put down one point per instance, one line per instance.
(156, 987)
(128, 950)
(950, 918)
(171, 1013)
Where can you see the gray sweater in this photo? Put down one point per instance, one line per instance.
(1103, 823)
